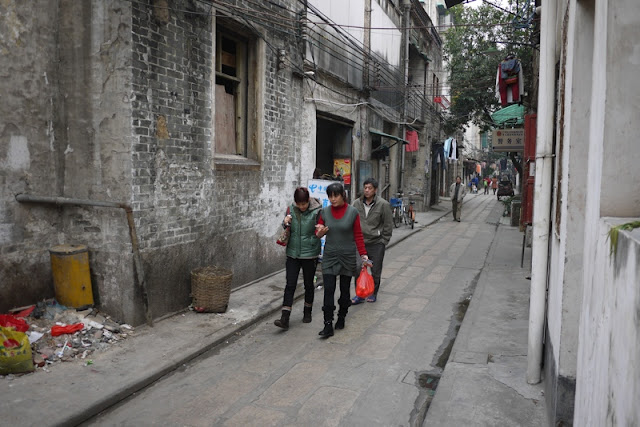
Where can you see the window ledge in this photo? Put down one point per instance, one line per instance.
(231, 162)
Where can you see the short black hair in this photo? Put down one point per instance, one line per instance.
(301, 195)
(336, 189)
(371, 181)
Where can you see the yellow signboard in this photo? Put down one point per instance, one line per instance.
(342, 167)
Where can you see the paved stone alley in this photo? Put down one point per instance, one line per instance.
(377, 371)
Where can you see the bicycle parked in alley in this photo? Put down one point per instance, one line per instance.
(402, 210)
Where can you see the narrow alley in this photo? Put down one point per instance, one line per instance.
(379, 370)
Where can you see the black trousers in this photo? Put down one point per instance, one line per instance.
(375, 252)
(293, 266)
(330, 290)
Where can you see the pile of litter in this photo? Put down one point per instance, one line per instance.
(61, 334)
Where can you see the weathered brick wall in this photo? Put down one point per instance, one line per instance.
(190, 212)
(123, 111)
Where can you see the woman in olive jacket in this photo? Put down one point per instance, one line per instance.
(303, 250)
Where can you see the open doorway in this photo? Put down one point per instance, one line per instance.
(334, 150)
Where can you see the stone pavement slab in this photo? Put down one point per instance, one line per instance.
(72, 392)
(484, 381)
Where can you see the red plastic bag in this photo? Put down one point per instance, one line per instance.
(69, 329)
(364, 284)
(10, 321)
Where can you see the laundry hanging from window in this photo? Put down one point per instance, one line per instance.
(509, 81)
(412, 137)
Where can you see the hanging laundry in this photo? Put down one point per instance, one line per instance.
(447, 147)
(453, 153)
(509, 81)
(438, 155)
(412, 137)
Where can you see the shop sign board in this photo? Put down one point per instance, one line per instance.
(508, 139)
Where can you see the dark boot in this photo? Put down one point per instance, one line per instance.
(328, 322)
(327, 331)
(283, 321)
(342, 313)
(306, 318)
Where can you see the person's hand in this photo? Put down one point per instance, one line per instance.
(321, 230)
(287, 220)
(366, 261)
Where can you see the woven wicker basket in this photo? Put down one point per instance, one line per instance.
(210, 289)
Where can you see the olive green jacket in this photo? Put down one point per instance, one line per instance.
(303, 242)
(377, 226)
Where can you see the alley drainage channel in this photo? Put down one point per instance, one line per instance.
(427, 381)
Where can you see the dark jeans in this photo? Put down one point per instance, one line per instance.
(330, 290)
(375, 252)
(293, 271)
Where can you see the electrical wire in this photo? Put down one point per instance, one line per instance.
(383, 71)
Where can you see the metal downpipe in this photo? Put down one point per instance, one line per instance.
(542, 191)
(137, 259)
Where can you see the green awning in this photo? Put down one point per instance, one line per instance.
(512, 115)
(386, 135)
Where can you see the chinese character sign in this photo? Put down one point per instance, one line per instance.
(318, 189)
(508, 139)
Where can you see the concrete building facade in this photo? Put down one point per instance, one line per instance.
(201, 118)
(591, 348)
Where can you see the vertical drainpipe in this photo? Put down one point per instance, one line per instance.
(542, 190)
(406, 23)
(365, 138)
(137, 258)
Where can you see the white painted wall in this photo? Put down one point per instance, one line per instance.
(385, 43)
(621, 155)
(472, 141)
(608, 389)
(332, 50)
(342, 12)
(566, 255)
(609, 352)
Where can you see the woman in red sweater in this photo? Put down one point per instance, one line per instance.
(340, 222)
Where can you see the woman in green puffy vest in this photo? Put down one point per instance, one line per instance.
(303, 250)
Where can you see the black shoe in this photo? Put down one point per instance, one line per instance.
(340, 323)
(283, 321)
(327, 331)
(307, 315)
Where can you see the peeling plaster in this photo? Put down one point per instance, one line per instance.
(18, 156)
(634, 59)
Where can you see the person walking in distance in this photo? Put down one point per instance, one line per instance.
(457, 191)
(494, 184)
(377, 226)
(340, 222)
(303, 249)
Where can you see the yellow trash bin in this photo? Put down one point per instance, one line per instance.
(71, 278)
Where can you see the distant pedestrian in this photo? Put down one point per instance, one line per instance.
(494, 184)
(377, 226)
(457, 191)
(485, 184)
(340, 222)
(474, 185)
(303, 250)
